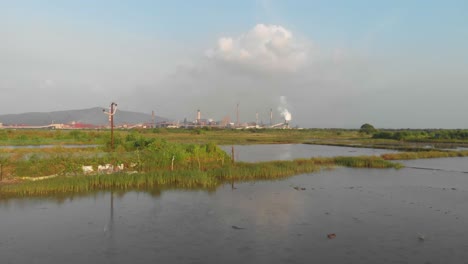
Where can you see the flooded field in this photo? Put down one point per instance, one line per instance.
(411, 215)
(269, 152)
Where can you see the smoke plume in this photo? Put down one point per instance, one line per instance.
(282, 108)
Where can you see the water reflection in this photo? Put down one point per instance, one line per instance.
(109, 231)
(110, 226)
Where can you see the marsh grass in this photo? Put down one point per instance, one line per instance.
(423, 155)
(365, 162)
(195, 178)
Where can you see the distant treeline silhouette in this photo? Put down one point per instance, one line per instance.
(443, 134)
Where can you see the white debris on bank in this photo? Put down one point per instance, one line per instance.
(103, 169)
(38, 178)
(88, 170)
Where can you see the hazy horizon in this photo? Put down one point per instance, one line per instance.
(329, 64)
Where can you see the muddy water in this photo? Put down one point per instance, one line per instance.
(377, 216)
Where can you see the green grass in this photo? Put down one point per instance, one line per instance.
(365, 162)
(200, 136)
(208, 178)
(423, 155)
(228, 136)
(51, 137)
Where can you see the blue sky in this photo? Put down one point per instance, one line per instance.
(347, 51)
(327, 21)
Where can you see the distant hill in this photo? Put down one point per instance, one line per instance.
(93, 116)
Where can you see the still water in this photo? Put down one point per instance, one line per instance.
(269, 152)
(378, 216)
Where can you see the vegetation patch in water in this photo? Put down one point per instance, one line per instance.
(365, 162)
(198, 177)
(423, 155)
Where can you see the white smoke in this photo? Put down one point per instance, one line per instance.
(282, 108)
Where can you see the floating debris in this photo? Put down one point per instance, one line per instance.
(421, 237)
(331, 236)
(237, 227)
(297, 188)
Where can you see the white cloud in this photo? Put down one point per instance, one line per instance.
(265, 47)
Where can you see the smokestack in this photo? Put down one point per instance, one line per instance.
(237, 113)
(271, 116)
(256, 118)
(198, 116)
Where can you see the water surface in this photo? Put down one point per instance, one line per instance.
(269, 152)
(378, 216)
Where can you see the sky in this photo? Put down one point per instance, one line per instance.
(329, 64)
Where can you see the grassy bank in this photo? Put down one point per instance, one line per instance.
(195, 178)
(424, 155)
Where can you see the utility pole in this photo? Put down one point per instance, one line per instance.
(111, 114)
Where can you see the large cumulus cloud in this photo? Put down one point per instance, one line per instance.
(265, 47)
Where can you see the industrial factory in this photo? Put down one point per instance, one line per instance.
(199, 121)
(279, 119)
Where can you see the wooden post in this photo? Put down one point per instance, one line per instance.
(233, 159)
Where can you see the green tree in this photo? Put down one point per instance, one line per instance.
(368, 129)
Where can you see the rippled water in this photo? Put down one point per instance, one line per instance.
(378, 216)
